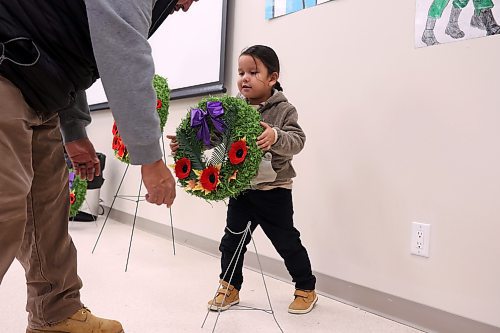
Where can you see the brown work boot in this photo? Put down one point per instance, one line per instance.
(304, 301)
(81, 322)
(227, 296)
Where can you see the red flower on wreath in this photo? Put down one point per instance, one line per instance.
(72, 198)
(158, 104)
(183, 168)
(122, 150)
(209, 178)
(115, 129)
(117, 142)
(238, 152)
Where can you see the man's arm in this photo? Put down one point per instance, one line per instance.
(119, 30)
(80, 150)
(75, 118)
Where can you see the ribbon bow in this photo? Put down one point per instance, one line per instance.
(199, 118)
(71, 179)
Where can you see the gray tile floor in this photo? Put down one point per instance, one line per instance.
(162, 293)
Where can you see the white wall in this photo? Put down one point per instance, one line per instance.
(395, 135)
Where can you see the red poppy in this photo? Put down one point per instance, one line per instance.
(115, 129)
(158, 104)
(117, 142)
(238, 152)
(72, 198)
(122, 150)
(183, 168)
(209, 178)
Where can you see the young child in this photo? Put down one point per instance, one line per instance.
(269, 202)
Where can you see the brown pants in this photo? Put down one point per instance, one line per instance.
(34, 206)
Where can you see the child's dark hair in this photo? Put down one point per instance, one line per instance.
(268, 57)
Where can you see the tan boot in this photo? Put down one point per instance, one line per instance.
(81, 322)
(226, 297)
(304, 301)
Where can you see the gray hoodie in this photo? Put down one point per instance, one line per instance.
(119, 30)
(283, 117)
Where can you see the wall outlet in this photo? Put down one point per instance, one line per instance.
(420, 239)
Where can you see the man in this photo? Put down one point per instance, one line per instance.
(50, 52)
(483, 19)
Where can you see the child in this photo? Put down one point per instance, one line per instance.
(269, 202)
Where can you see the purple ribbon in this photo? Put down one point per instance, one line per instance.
(71, 179)
(199, 119)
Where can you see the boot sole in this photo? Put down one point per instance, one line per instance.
(293, 311)
(222, 308)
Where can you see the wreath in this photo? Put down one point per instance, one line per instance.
(162, 103)
(218, 154)
(77, 192)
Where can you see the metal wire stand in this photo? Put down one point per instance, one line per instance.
(137, 199)
(235, 258)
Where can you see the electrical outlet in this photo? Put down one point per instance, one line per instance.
(420, 239)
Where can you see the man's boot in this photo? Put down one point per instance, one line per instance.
(81, 322)
(453, 29)
(492, 28)
(428, 36)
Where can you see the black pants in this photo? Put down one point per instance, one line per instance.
(273, 211)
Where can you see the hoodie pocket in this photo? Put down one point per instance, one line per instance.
(266, 173)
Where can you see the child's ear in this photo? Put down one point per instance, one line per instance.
(274, 79)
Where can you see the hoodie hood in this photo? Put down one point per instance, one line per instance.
(276, 98)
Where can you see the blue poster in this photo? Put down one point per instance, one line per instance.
(275, 8)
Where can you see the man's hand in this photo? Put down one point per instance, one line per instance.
(174, 144)
(84, 159)
(159, 182)
(267, 138)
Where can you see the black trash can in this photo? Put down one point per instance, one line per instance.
(92, 208)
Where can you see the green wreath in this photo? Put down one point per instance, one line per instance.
(227, 127)
(77, 192)
(162, 104)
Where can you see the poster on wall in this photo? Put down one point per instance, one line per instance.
(445, 21)
(275, 8)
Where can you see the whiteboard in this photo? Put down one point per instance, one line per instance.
(188, 50)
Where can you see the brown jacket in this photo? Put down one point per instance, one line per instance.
(283, 117)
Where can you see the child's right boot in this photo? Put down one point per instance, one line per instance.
(226, 296)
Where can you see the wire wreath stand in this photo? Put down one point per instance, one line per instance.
(137, 199)
(235, 259)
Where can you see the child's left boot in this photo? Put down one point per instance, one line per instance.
(304, 301)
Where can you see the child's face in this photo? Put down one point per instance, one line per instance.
(254, 80)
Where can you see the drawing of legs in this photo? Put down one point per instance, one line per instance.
(476, 21)
(483, 17)
(435, 13)
(453, 29)
(482, 9)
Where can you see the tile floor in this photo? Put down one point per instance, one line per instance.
(163, 293)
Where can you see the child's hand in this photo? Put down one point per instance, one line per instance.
(174, 145)
(267, 138)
